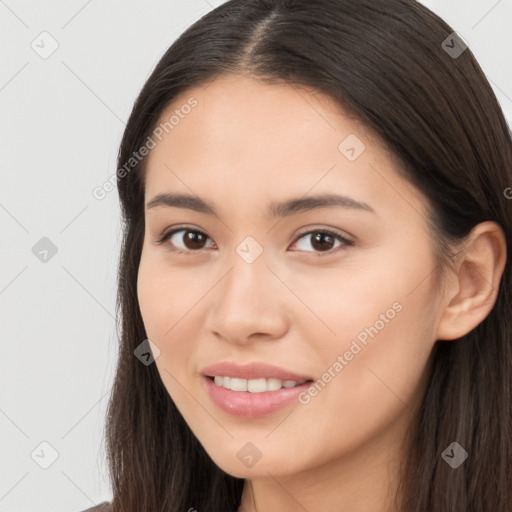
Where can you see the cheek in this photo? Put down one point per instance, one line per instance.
(162, 295)
(148, 291)
(372, 364)
(157, 303)
(384, 354)
(169, 309)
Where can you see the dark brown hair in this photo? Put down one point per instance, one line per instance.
(385, 64)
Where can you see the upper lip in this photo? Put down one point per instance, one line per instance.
(252, 371)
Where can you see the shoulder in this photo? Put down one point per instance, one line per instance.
(102, 507)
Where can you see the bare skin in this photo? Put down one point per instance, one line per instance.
(300, 304)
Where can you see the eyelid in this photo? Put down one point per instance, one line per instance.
(333, 231)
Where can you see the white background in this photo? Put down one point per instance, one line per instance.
(62, 120)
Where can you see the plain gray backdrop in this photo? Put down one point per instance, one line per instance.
(70, 72)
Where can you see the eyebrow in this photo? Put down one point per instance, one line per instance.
(275, 209)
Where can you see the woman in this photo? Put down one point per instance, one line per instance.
(314, 290)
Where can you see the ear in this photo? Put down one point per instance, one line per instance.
(473, 289)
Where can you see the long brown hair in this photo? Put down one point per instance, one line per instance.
(385, 62)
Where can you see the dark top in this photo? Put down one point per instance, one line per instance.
(102, 507)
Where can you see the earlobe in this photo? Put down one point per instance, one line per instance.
(474, 289)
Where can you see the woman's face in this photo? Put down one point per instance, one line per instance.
(357, 317)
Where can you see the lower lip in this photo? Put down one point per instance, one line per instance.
(252, 405)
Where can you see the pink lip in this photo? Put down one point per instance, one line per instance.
(252, 371)
(251, 405)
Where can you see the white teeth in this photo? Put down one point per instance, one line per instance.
(254, 385)
(238, 384)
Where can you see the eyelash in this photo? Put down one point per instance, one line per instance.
(330, 232)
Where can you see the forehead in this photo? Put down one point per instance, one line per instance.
(234, 106)
(237, 119)
(255, 139)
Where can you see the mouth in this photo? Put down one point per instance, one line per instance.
(260, 385)
(253, 398)
(254, 371)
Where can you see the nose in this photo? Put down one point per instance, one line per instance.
(249, 303)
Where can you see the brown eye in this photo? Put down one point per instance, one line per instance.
(188, 240)
(191, 240)
(323, 240)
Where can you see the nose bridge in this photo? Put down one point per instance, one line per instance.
(249, 274)
(246, 300)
